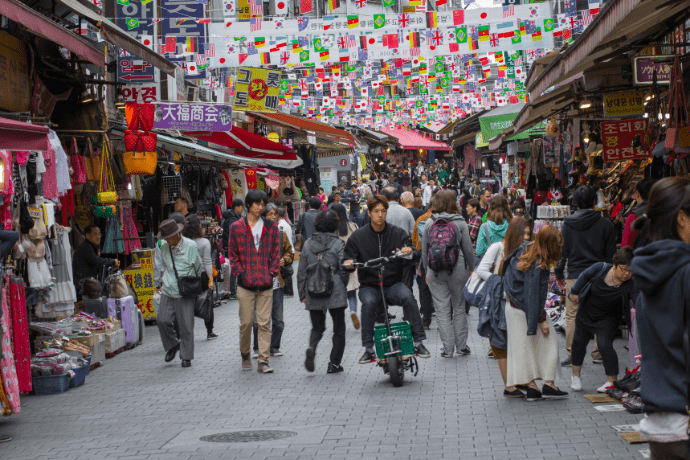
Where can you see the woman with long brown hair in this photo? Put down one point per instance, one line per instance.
(494, 229)
(532, 345)
(491, 264)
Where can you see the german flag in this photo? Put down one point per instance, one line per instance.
(473, 44)
(352, 21)
(192, 45)
(431, 20)
(363, 42)
(483, 33)
(414, 40)
(333, 4)
(265, 58)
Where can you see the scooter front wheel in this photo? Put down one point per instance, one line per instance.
(395, 370)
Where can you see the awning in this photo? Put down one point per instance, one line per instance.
(250, 146)
(46, 28)
(498, 119)
(118, 37)
(17, 135)
(542, 108)
(413, 140)
(190, 148)
(304, 124)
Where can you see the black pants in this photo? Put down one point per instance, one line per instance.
(605, 331)
(288, 289)
(209, 323)
(233, 285)
(318, 326)
(425, 302)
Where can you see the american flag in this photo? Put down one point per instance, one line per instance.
(508, 11)
(254, 24)
(587, 17)
(209, 50)
(351, 41)
(256, 7)
(201, 60)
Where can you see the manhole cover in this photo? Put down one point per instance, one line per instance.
(248, 436)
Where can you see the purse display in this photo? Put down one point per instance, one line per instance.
(106, 187)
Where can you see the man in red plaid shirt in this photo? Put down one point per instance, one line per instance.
(255, 260)
(474, 221)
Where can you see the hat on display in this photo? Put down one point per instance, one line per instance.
(168, 229)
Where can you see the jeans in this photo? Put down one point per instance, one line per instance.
(352, 300)
(397, 294)
(318, 326)
(425, 302)
(354, 215)
(277, 323)
(605, 331)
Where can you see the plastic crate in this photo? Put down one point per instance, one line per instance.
(79, 376)
(51, 384)
(403, 330)
(88, 364)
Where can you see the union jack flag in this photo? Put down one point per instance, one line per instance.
(256, 7)
(254, 24)
(284, 58)
(508, 11)
(403, 20)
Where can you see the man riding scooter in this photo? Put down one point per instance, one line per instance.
(378, 239)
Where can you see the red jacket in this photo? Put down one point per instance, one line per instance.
(254, 270)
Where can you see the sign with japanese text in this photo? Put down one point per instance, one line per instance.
(257, 90)
(618, 136)
(646, 65)
(190, 10)
(142, 282)
(621, 104)
(142, 94)
(193, 117)
(131, 69)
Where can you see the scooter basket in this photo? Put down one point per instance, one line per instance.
(403, 330)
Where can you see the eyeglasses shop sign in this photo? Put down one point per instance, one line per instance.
(193, 117)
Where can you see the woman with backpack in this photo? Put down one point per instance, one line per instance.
(320, 265)
(496, 225)
(447, 258)
(532, 344)
(345, 229)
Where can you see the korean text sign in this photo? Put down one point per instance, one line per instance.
(257, 90)
(131, 69)
(173, 27)
(621, 104)
(618, 136)
(193, 117)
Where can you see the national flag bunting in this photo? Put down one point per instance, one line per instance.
(265, 58)
(431, 20)
(352, 21)
(192, 45)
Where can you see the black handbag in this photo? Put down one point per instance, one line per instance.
(286, 271)
(190, 287)
(203, 307)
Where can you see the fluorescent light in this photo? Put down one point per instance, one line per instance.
(585, 104)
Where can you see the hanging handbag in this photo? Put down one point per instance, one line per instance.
(203, 307)
(105, 211)
(286, 271)
(106, 186)
(189, 287)
(91, 173)
(139, 161)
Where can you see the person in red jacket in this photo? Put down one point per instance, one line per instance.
(255, 259)
(630, 236)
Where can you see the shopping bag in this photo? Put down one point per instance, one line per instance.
(203, 307)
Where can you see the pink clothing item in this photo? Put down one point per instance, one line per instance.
(322, 197)
(23, 157)
(49, 179)
(8, 371)
(629, 235)
(129, 230)
(228, 192)
(20, 335)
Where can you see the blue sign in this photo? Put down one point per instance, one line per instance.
(171, 12)
(131, 69)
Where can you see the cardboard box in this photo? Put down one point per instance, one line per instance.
(89, 341)
(111, 342)
(121, 338)
(98, 353)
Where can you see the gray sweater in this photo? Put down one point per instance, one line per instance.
(204, 246)
(401, 217)
(466, 256)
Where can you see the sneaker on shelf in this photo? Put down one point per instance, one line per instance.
(566, 363)
(549, 392)
(355, 320)
(605, 387)
(367, 357)
(255, 354)
(334, 368)
(576, 384)
(276, 352)
(246, 363)
(211, 336)
(421, 351)
(264, 368)
(465, 351)
(597, 360)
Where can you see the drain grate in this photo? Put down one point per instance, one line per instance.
(249, 436)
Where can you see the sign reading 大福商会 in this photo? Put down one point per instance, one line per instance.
(193, 117)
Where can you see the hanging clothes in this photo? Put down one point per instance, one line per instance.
(129, 229)
(8, 371)
(62, 164)
(49, 178)
(63, 291)
(112, 233)
(20, 334)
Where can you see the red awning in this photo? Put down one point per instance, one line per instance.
(46, 28)
(413, 140)
(17, 135)
(250, 145)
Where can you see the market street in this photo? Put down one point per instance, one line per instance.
(136, 406)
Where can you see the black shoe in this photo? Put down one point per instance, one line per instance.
(522, 387)
(186, 363)
(465, 351)
(632, 383)
(367, 357)
(334, 368)
(533, 395)
(309, 361)
(566, 363)
(211, 336)
(276, 352)
(170, 355)
(445, 355)
(549, 392)
(513, 394)
(421, 351)
(5, 438)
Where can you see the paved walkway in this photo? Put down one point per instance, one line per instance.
(138, 407)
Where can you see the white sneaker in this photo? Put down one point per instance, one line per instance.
(576, 385)
(604, 387)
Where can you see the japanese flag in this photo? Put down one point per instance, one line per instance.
(147, 41)
(280, 7)
(191, 68)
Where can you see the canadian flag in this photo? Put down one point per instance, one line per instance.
(280, 7)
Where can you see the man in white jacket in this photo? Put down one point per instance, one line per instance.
(428, 191)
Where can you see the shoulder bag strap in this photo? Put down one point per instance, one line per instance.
(172, 257)
(488, 236)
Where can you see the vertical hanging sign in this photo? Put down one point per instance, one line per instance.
(136, 19)
(181, 22)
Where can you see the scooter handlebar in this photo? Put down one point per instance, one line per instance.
(378, 261)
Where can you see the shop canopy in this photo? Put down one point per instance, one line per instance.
(413, 140)
(252, 146)
(306, 125)
(17, 135)
(200, 151)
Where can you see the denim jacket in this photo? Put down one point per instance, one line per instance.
(526, 290)
(492, 313)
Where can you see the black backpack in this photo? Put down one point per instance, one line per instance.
(320, 275)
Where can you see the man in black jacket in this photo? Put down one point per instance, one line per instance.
(374, 240)
(86, 261)
(588, 238)
(305, 225)
(231, 216)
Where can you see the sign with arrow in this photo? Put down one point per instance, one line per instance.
(130, 17)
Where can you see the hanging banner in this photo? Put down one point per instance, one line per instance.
(131, 69)
(193, 117)
(617, 137)
(257, 90)
(621, 104)
(189, 34)
(250, 174)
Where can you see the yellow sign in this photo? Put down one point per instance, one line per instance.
(621, 104)
(243, 10)
(273, 136)
(363, 159)
(256, 90)
(141, 280)
(479, 141)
